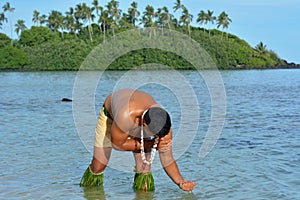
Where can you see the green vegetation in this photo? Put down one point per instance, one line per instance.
(12, 58)
(61, 41)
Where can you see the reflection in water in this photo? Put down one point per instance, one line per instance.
(143, 195)
(98, 193)
(93, 193)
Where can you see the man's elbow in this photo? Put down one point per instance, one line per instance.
(117, 147)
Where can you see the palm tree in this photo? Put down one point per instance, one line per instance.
(160, 18)
(167, 17)
(98, 9)
(2, 19)
(125, 21)
(55, 18)
(62, 25)
(261, 48)
(224, 21)
(20, 26)
(186, 18)
(69, 21)
(7, 8)
(56, 21)
(85, 13)
(210, 18)
(175, 22)
(110, 20)
(70, 25)
(133, 13)
(43, 19)
(148, 17)
(103, 20)
(96, 6)
(177, 5)
(202, 18)
(70, 12)
(164, 18)
(114, 13)
(88, 16)
(36, 17)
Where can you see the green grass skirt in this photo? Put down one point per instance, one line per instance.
(90, 178)
(143, 182)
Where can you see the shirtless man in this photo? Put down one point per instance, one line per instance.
(131, 120)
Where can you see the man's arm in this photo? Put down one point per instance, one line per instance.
(121, 142)
(170, 165)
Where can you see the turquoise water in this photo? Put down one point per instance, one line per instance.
(256, 157)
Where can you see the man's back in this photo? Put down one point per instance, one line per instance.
(127, 106)
(129, 102)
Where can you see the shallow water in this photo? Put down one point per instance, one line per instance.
(256, 157)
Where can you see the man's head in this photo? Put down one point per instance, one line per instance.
(158, 121)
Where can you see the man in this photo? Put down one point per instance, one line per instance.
(131, 120)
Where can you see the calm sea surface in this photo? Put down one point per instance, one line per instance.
(256, 157)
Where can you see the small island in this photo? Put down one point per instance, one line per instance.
(61, 41)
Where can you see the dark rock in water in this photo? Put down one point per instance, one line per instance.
(66, 99)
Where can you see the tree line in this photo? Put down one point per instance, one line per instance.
(111, 18)
(74, 33)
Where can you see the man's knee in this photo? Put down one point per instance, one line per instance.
(97, 166)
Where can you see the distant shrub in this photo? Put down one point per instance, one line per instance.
(4, 40)
(12, 58)
(63, 55)
(37, 36)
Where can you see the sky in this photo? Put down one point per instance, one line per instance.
(274, 22)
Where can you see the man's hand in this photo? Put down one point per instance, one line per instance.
(187, 185)
(164, 144)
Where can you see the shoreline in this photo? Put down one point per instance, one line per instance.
(286, 66)
(241, 67)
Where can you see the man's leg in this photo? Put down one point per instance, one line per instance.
(93, 176)
(100, 159)
(143, 179)
(102, 143)
(141, 167)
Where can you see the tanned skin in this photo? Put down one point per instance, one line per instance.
(126, 108)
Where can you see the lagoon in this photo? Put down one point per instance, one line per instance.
(257, 155)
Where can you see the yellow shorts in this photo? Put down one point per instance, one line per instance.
(102, 133)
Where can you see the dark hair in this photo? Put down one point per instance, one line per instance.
(158, 121)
